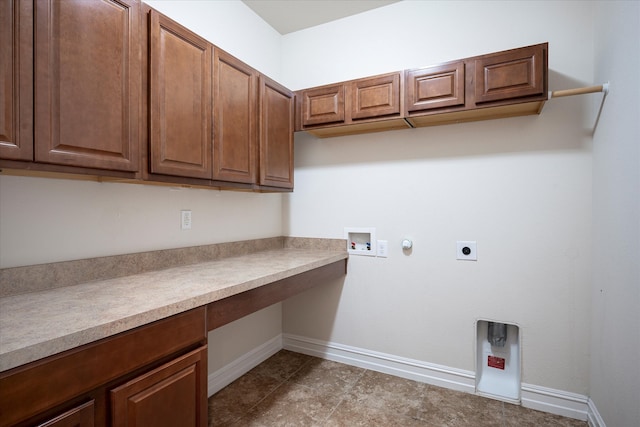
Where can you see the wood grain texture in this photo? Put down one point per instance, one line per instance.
(16, 75)
(88, 83)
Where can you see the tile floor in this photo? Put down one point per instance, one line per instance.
(292, 389)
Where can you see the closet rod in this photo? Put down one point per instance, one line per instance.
(580, 91)
(604, 88)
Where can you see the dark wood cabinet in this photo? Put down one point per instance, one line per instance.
(16, 77)
(375, 97)
(168, 396)
(80, 416)
(511, 74)
(72, 99)
(56, 389)
(180, 100)
(323, 105)
(497, 85)
(235, 135)
(215, 121)
(434, 87)
(87, 83)
(369, 104)
(276, 134)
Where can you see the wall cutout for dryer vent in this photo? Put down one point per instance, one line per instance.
(361, 240)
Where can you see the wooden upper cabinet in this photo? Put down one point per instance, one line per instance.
(435, 87)
(88, 83)
(323, 105)
(180, 100)
(511, 74)
(235, 135)
(276, 134)
(375, 96)
(16, 77)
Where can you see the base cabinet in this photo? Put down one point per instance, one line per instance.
(157, 371)
(167, 396)
(80, 416)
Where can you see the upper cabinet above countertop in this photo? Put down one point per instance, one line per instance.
(357, 106)
(503, 84)
(211, 115)
(75, 99)
(118, 90)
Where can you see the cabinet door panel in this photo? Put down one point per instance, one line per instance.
(235, 138)
(81, 416)
(16, 77)
(87, 83)
(435, 87)
(174, 394)
(180, 129)
(276, 134)
(510, 74)
(375, 97)
(323, 105)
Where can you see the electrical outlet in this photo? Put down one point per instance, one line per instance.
(466, 250)
(383, 248)
(185, 220)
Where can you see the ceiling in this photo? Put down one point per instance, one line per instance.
(287, 16)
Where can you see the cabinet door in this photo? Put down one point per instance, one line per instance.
(375, 97)
(235, 136)
(88, 83)
(276, 134)
(435, 87)
(180, 86)
(175, 394)
(511, 74)
(16, 78)
(323, 105)
(80, 416)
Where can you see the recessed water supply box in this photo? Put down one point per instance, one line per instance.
(498, 360)
(361, 240)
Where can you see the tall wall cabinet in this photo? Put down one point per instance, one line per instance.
(123, 91)
(214, 119)
(72, 94)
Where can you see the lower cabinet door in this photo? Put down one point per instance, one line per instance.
(80, 416)
(175, 394)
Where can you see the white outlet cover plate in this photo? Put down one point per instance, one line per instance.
(473, 254)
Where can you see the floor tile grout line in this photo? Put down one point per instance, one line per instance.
(343, 397)
(284, 381)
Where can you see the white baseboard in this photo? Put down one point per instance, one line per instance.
(554, 401)
(224, 376)
(443, 376)
(535, 397)
(595, 420)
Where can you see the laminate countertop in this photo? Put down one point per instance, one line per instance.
(42, 323)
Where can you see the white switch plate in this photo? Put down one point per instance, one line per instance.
(185, 220)
(466, 250)
(383, 248)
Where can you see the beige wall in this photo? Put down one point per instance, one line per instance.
(615, 338)
(520, 187)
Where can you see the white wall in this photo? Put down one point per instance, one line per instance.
(49, 220)
(520, 187)
(615, 339)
